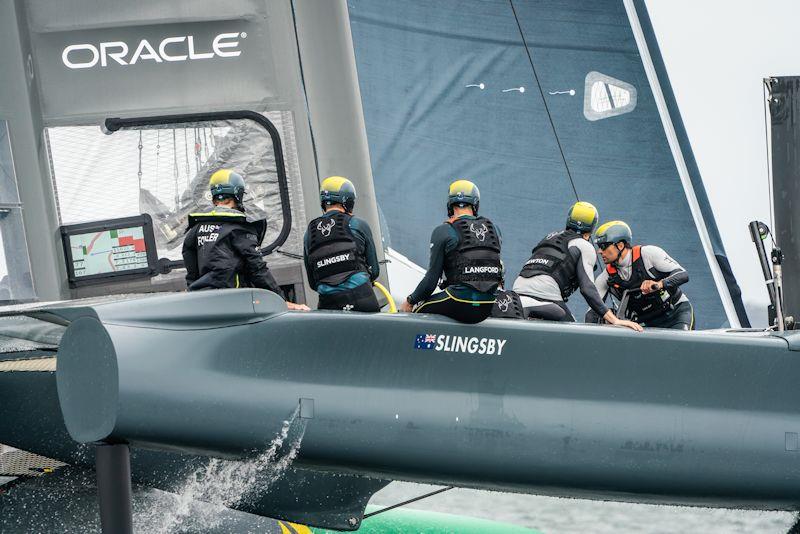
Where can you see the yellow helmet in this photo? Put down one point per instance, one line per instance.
(582, 217)
(463, 192)
(337, 190)
(226, 183)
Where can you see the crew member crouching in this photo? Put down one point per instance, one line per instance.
(561, 263)
(650, 276)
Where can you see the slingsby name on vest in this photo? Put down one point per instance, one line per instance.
(469, 345)
(332, 260)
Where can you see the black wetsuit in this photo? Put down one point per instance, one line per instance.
(220, 251)
(459, 301)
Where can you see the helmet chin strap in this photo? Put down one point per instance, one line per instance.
(619, 255)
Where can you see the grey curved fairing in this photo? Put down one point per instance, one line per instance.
(589, 411)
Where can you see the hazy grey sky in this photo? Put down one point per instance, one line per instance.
(717, 53)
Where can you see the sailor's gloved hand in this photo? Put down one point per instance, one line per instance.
(651, 286)
(297, 307)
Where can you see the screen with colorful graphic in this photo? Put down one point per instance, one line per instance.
(108, 251)
(98, 252)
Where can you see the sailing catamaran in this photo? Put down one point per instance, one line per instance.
(111, 121)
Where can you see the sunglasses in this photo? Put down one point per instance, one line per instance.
(603, 246)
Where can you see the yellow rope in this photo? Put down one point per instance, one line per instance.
(382, 289)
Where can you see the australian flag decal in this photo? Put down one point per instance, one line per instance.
(425, 341)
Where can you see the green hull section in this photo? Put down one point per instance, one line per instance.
(405, 521)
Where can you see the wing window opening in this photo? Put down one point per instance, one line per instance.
(606, 97)
(160, 166)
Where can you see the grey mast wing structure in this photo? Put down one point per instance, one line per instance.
(449, 93)
(69, 67)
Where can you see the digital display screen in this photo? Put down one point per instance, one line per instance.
(108, 251)
(98, 252)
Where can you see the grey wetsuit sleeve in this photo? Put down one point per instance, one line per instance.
(585, 271)
(363, 232)
(601, 284)
(671, 273)
(426, 287)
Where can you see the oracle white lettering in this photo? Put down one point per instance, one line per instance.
(170, 49)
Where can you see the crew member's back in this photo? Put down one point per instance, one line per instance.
(339, 252)
(465, 254)
(220, 249)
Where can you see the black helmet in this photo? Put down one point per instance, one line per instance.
(337, 190)
(613, 232)
(226, 183)
(463, 193)
(582, 217)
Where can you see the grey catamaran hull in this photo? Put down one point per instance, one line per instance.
(573, 410)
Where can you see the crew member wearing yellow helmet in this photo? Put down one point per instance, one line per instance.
(465, 252)
(220, 249)
(339, 252)
(649, 276)
(563, 262)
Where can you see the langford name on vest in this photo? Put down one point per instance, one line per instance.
(332, 260)
(481, 270)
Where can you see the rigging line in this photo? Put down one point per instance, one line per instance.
(305, 93)
(175, 168)
(767, 93)
(288, 254)
(544, 101)
(415, 499)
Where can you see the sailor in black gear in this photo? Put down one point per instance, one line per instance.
(339, 252)
(465, 255)
(650, 276)
(563, 262)
(220, 249)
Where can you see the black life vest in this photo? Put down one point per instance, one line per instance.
(333, 254)
(508, 306)
(551, 256)
(641, 308)
(476, 260)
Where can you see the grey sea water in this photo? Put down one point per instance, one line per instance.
(566, 516)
